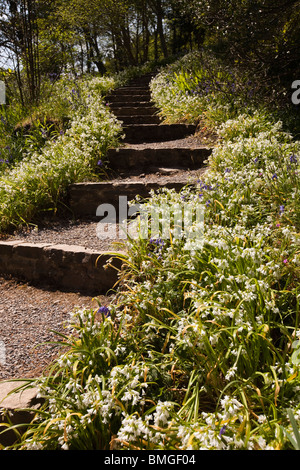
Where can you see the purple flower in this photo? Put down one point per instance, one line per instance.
(104, 311)
(222, 431)
(281, 209)
(274, 177)
(157, 242)
(157, 245)
(99, 163)
(293, 159)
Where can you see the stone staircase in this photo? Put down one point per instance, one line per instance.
(144, 150)
(149, 147)
(132, 105)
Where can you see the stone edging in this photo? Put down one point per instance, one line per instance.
(20, 406)
(68, 267)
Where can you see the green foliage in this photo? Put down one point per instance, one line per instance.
(61, 141)
(203, 88)
(295, 438)
(259, 34)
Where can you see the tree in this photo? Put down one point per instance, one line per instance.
(259, 34)
(159, 8)
(42, 38)
(20, 40)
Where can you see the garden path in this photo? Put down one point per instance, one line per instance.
(49, 270)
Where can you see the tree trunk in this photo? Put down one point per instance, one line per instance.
(137, 38)
(30, 49)
(155, 44)
(146, 36)
(158, 10)
(127, 45)
(93, 52)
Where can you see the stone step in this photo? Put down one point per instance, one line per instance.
(142, 158)
(70, 267)
(140, 119)
(131, 90)
(141, 81)
(141, 133)
(144, 83)
(130, 98)
(130, 104)
(84, 198)
(145, 109)
(21, 404)
(145, 79)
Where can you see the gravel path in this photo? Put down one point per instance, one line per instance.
(191, 142)
(161, 175)
(65, 231)
(27, 316)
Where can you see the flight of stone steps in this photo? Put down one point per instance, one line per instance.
(149, 147)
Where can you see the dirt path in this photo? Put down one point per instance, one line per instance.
(27, 316)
